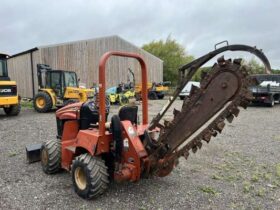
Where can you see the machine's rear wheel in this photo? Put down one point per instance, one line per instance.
(89, 175)
(51, 156)
(160, 96)
(123, 100)
(13, 110)
(272, 103)
(152, 96)
(42, 102)
(138, 96)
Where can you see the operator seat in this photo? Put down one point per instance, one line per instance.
(129, 112)
(126, 112)
(89, 114)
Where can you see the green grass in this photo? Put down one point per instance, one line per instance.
(255, 178)
(217, 177)
(260, 192)
(247, 187)
(26, 104)
(12, 153)
(277, 168)
(209, 190)
(248, 176)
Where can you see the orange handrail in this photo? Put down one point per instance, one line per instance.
(102, 86)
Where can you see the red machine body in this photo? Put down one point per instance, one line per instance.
(97, 141)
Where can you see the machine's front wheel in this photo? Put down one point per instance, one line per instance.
(152, 95)
(123, 100)
(90, 176)
(42, 102)
(138, 96)
(13, 110)
(161, 96)
(51, 156)
(272, 103)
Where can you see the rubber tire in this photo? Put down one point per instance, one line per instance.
(152, 96)
(123, 100)
(96, 173)
(272, 103)
(107, 103)
(161, 96)
(48, 101)
(53, 149)
(13, 110)
(138, 96)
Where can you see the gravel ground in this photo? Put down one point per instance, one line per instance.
(240, 169)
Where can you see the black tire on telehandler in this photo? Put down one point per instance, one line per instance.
(152, 95)
(161, 96)
(90, 176)
(51, 156)
(13, 110)
(42, 102)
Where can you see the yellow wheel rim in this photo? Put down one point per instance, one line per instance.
(80, 178)
(40, 102)
(44, 157)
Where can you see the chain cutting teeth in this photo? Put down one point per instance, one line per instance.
(186, 154)
(244, 103)
(219, 126)
(242, 99)
(198, 143)
(237, 61)
(176, 112)
(207, 137)
(235, 111)
(230, 118)
(194, 149)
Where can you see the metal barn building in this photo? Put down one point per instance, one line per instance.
(83, 58)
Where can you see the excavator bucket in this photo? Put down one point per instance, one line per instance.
(33, 152)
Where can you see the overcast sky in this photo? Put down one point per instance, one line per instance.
(196, 24)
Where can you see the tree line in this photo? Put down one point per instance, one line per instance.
(175, 55)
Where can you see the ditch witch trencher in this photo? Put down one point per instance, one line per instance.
(96, 151)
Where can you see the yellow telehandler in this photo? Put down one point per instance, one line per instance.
(58, 88)
(9, 98)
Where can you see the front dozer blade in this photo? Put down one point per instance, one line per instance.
(33, 152)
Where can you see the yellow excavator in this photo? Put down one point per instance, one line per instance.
(155, 90)
(58, 88)
(9, 98)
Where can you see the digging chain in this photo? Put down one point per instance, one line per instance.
(241, 97)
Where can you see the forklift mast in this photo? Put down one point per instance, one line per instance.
(42, 70)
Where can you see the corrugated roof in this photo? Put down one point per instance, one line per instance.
(73, 42)
(24, 52)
